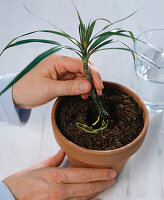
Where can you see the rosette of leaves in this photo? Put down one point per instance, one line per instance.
(87, 44)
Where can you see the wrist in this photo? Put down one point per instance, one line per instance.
(14, 95)
(5, 192)
(17, 96)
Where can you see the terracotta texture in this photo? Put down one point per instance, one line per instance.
(115, 159)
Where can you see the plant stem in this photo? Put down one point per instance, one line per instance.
(103, 114)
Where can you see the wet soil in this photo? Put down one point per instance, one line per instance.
(125, 120)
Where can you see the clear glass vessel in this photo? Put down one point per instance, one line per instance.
(150, 83)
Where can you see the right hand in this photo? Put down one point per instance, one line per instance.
(47, 182)
(55, 76)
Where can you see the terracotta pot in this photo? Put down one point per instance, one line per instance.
(115, 159)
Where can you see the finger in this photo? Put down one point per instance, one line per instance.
(83, 198)
(70, 87)
(53, 161)
(96, 77)
(67, 64)
(85, 96)
(84, 175)
(74, 65)
(86, 190)
(67, 76)
(95, 199)
(90, 197)
(99, 92)
(93, 196)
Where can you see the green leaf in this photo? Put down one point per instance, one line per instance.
(87, 34)
(132, 36)
(101, 45)
(120, 20)
(124, 49)
(98, 41)
(30, 41)
(90, 30)
(132, 52)
(73, 49)
(117, 31)
(115, 23)
(81, 26)
(72, 39)
(141, 55)
(120, 32)
(127, 49)
(31, 66)
(44, 31)
(91, 27)
(115, 48)
(107, 35)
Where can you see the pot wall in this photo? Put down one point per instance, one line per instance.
(115, 159)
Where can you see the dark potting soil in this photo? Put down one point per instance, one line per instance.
(125, 121)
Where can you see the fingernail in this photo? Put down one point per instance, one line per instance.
(102, 85)
(113, 181)
(112, 174)
(83, 86)
(100, 92)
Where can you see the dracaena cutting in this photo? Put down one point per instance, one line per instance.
(86, 45)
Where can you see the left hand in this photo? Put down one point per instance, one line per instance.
(46, 181)
(55, 76)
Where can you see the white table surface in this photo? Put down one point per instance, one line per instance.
(143, 176)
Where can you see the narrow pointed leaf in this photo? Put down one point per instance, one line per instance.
(98, 41)
(132, 52)
(93, 25)
(132, 35)
(74, 50)
(115, 23)
(39, 31)
(120, 20)
(117, 31)
(101, 45)
(120, 32)
(91, 29)
(126, 49)
(31, 66)
(72, 39)
(31, 41)
(81, 26)
(87, 33)
(109, 33)
(115, 48)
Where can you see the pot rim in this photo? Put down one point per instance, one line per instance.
(114, 151)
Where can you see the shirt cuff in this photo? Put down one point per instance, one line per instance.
(5, 193)
(8, 111)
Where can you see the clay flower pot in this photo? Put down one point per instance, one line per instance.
(115, 159)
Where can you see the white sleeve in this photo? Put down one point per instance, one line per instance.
(5, 193)
(8, 111)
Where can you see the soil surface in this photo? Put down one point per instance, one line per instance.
(125, 120)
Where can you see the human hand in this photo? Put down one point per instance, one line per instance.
(47, 182)
(55, 76)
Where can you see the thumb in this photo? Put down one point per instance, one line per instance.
(53, 161)
(95, 199)
(71, 87)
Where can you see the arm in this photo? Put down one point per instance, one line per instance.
(56, 76)
(13, 115)
(5, 193)
(8, 111)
